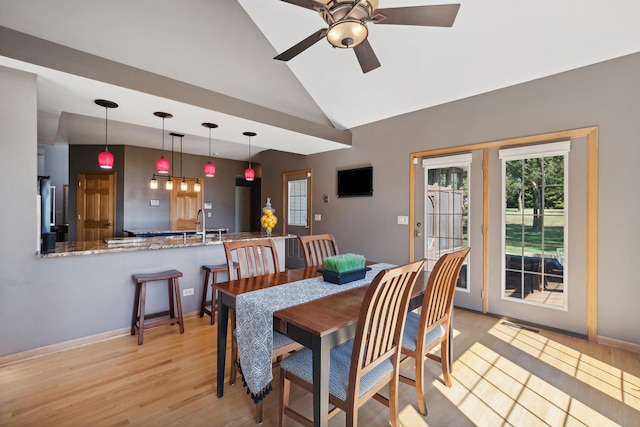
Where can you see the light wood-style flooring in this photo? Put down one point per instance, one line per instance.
(503, 375)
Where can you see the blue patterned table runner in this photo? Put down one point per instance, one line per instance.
(254, 320)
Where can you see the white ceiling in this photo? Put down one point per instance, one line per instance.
(227, 47)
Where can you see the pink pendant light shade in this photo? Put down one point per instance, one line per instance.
(162, 164)
(210, 168)
(105, 158)
(249, 174)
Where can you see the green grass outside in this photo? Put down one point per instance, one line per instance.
(553, 232)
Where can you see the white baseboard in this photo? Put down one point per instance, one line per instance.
(67, 345)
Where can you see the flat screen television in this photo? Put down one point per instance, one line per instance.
(355, 182)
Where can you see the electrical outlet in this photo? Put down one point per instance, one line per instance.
(208, 214)
(403, 220)
(317, 217)
(187, 292)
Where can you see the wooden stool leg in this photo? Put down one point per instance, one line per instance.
(172, 308)
(176, 287)
(143, 296)
(136, 304)
(205, 288)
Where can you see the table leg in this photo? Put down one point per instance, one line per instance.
(223, 321)
(321, 355)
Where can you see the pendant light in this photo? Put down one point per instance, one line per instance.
(105, 158)
(162, 164)
(249, 173)
(210, 168)
(153, 183)
(169, 184)
(196, 186)
(183, 185)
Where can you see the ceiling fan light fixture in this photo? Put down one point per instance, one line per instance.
(347, 33)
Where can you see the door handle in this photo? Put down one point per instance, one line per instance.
(107, 224)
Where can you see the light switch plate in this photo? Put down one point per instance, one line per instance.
(154, 202)
(403, 220)
(317, 217)
(207, 205)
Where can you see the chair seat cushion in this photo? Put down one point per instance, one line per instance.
(410, 336)
(280, 340)
(300, 364)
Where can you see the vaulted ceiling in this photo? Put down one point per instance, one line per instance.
(212, 61)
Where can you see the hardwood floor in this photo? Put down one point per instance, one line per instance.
(503, 375)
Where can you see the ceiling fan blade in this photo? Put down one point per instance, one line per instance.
(308, 4)
(305, 44)
(433, 16)
(366, 57)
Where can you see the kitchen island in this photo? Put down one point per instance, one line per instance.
(87, 291)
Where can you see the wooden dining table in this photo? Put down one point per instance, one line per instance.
(320, 324)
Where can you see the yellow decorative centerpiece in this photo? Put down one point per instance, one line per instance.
(268, 218)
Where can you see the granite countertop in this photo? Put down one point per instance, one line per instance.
(129, 244)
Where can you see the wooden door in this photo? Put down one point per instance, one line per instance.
(96, 206)
(296, 215)
(184, 205)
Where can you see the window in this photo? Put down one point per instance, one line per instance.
(447, 209)
(534, 226)
(297, 215)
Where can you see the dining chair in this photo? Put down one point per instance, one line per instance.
(246, 259)
(424, 331)
(360, 367)
(317, 247)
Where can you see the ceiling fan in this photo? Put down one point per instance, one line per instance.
(347, 21)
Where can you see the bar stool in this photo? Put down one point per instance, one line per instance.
(140, 321)
(210, 270)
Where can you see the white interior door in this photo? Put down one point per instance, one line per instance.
(297, 213)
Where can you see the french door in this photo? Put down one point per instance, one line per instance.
(447, 203)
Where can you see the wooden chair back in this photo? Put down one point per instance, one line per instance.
(253, 257)
(381, 323)
(441, 287)
(317, 247)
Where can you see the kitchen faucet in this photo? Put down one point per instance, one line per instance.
(204, 228)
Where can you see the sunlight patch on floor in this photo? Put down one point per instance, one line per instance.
(601, 376)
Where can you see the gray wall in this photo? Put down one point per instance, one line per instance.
(135, 166)
(218, 190)
(605, 95)
(45, 301)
